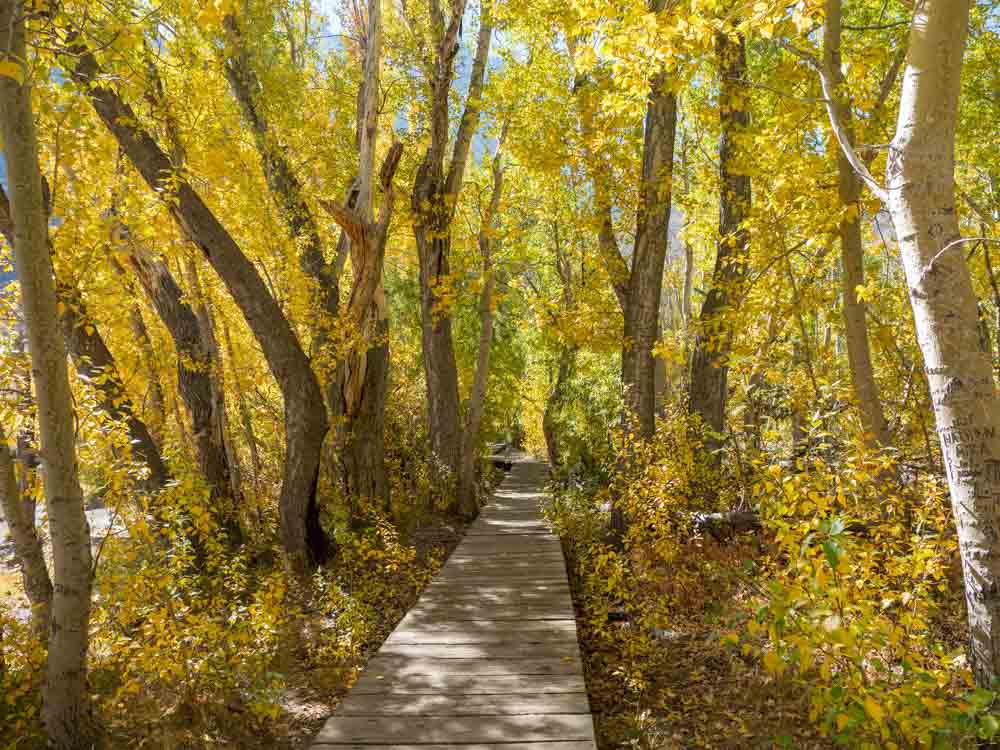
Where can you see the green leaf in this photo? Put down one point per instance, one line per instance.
(833, 553)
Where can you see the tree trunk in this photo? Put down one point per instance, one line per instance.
(65, 705)
(195, 368)
(553, 405)
(433, 199)
(302, 536)
(645, 285)
(852, 251)
(709, 369)
(96, 365)
(246, 419)
(920, 192)
(157, 401)
(363, 377)
(210, 342)
(20, 517)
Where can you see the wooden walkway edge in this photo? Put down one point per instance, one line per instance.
(488, 657)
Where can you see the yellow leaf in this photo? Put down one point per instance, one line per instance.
(873, 709)
(773, 663)
(12, 69)
(842, 721)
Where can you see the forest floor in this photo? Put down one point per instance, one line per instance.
(313, 691)
(694, 691)
(312, 687)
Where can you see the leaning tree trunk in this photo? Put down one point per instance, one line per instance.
(852, 250)
(20, 517)
(302, 536)
(65, 704)
(920, 193)
(95, 363)
(196, 368)
(709, 385)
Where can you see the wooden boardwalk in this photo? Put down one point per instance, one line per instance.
(488, 657)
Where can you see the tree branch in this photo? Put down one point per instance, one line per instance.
(839, 131)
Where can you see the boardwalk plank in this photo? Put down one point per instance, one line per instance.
(503, 651)
(450, 704)
(456, 729)
(429, 684)
(488, 658)
(389, 667)
(585, 745)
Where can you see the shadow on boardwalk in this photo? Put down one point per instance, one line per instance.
(488, 657)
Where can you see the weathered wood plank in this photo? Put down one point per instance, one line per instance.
(456, 729)
(450, 704)
(392, 667)
(500, 652)
(485, 631)
(488, 658)
(471, 684)
(486, 596)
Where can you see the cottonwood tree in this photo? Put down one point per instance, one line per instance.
(433, 199)
(477, 398)
(919, 193)
(638, 285)
(65, 701)
(709, 381)
(303, 538)
(356, 394)
(852, 255)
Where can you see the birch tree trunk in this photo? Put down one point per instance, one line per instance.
(920, 194)
(65, 704)
(709, 383)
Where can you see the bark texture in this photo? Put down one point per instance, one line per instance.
(433, 198)
(645, 282)
(468, 502)
(302, 536)
(852, 250)
(920, 192)
(196, 369)
(20, 517)
(709, 381)
(65, 705)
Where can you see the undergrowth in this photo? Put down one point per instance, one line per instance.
(838, 622)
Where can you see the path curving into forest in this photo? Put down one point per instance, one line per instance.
(488, 657)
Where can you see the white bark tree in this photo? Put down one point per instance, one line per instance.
(920, 196)
(65, 705)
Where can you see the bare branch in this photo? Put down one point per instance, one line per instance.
(839, 131)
